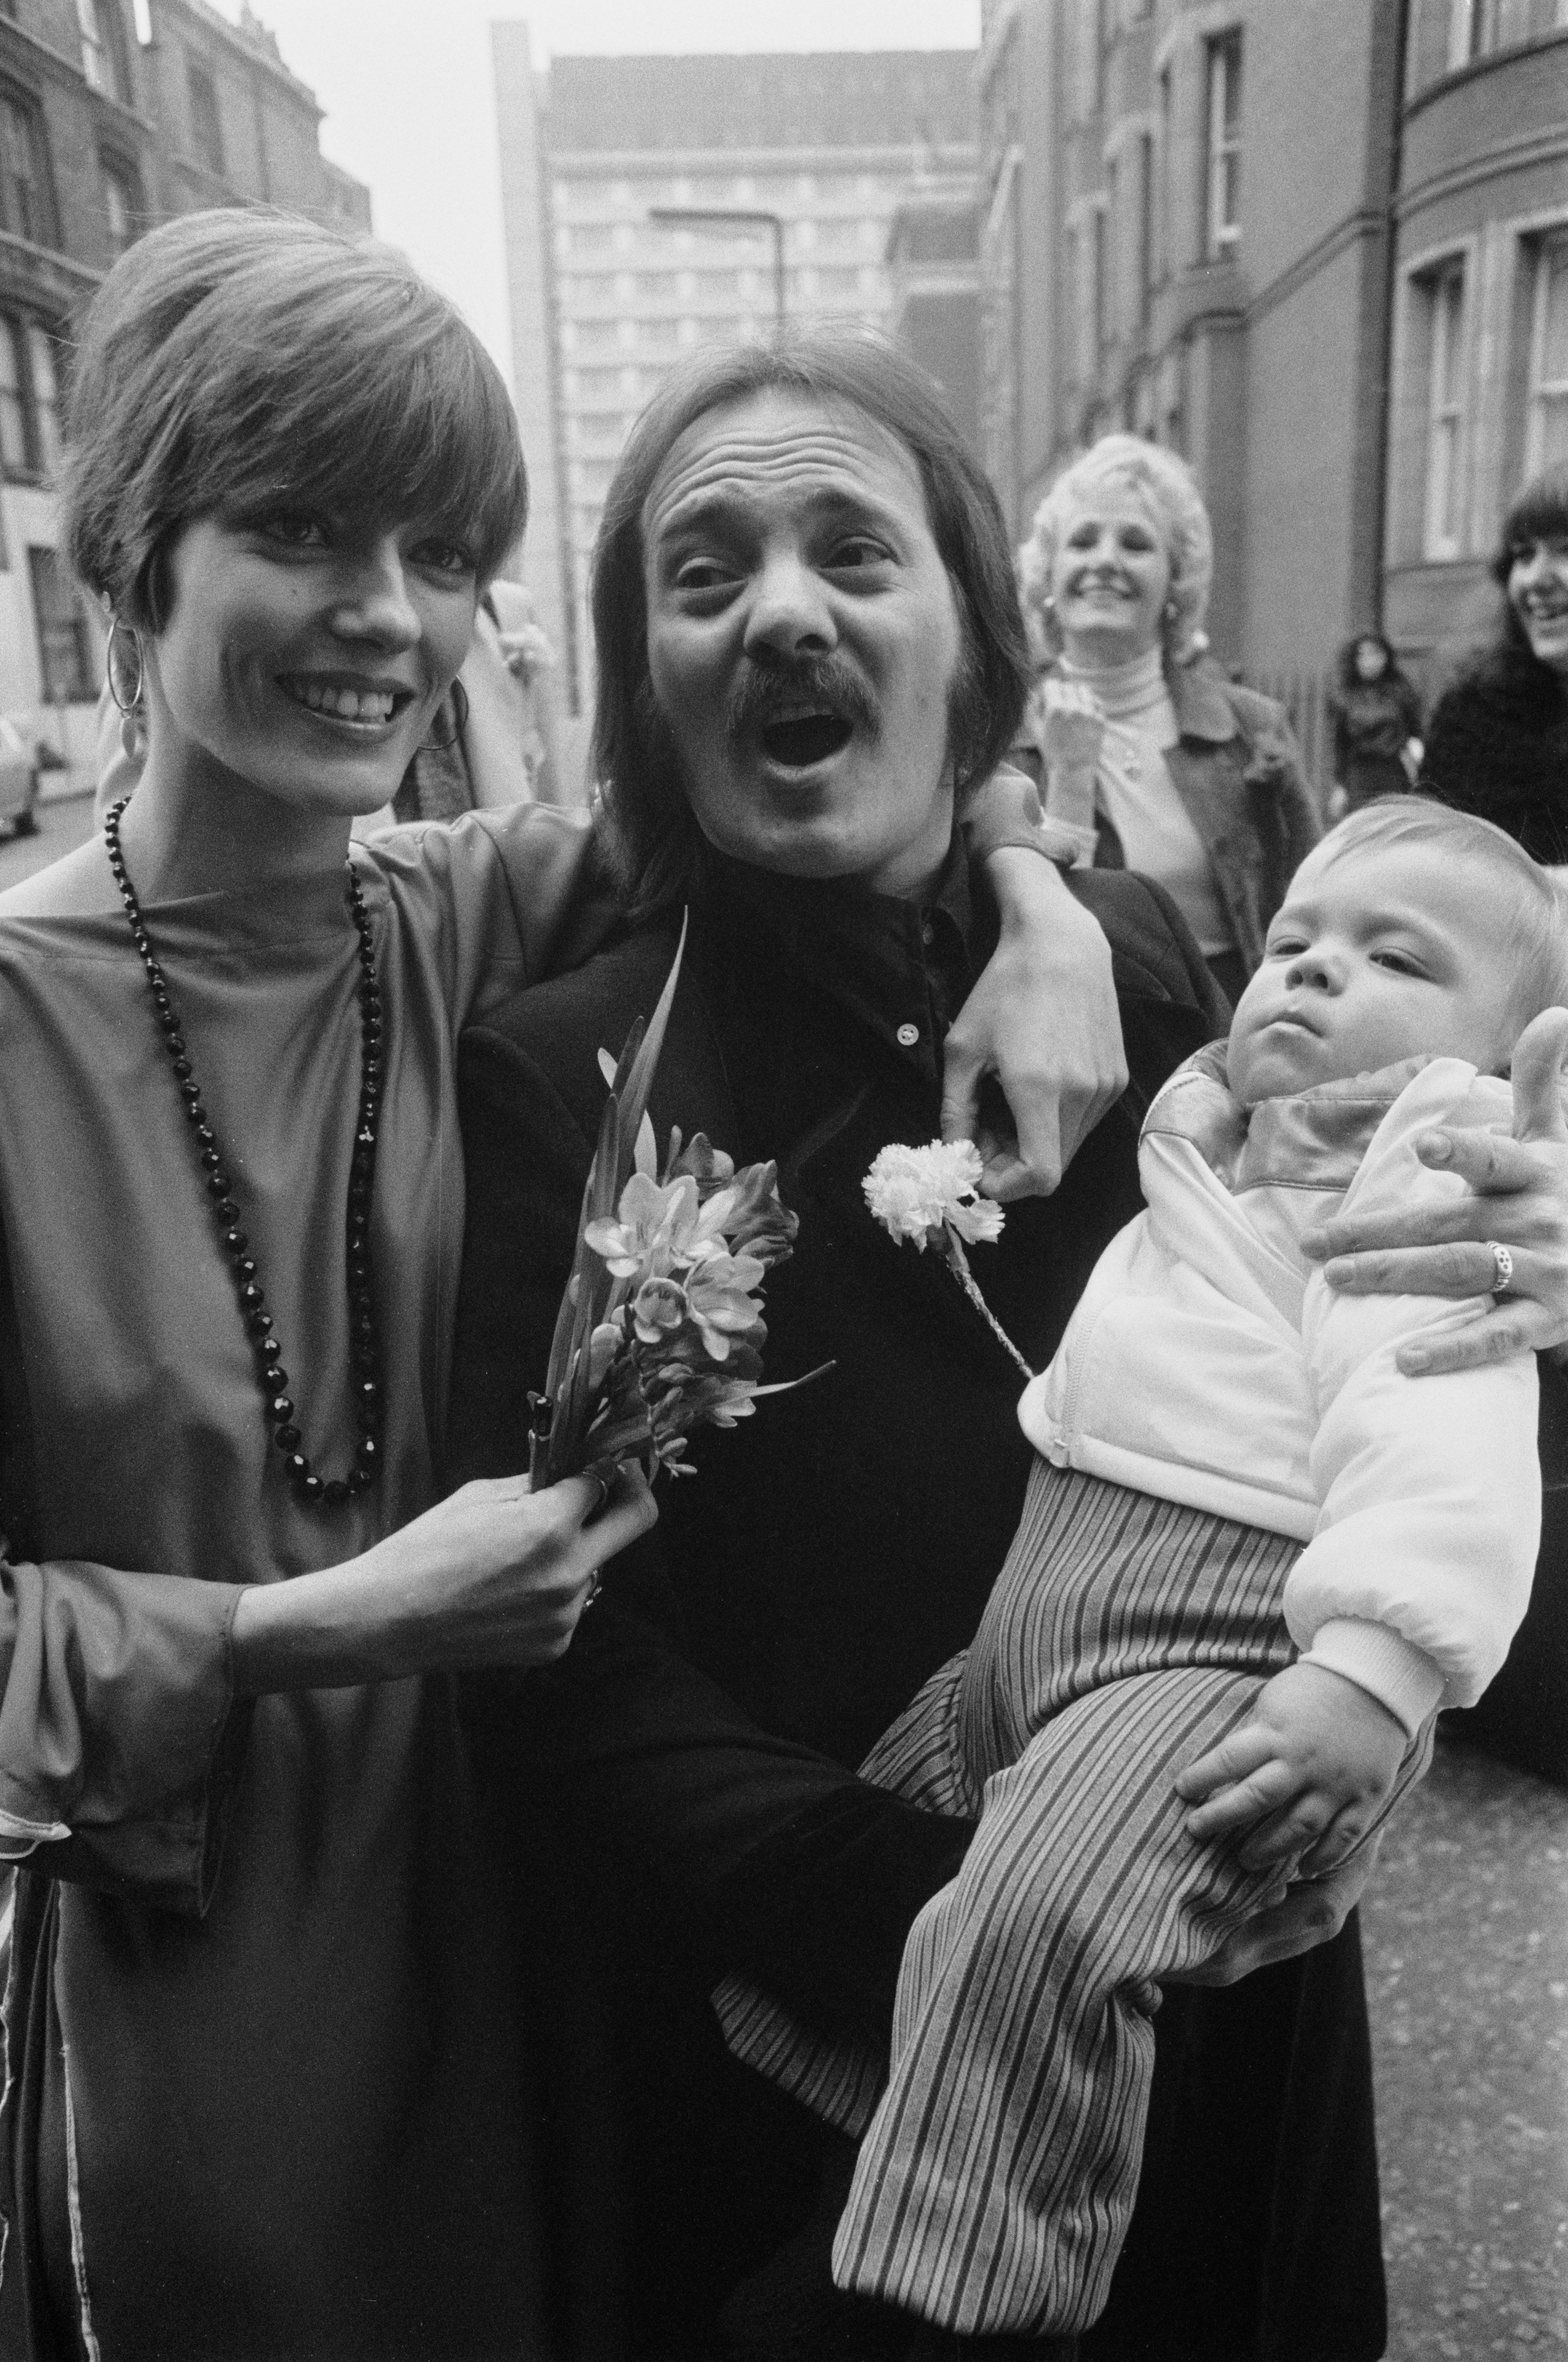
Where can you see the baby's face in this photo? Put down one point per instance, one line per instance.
(1395, 952)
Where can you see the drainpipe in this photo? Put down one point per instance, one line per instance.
(1390, 291)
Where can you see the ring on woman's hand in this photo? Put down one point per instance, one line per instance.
(1502, 1268)
(594, 1477)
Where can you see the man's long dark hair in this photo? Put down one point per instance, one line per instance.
(656, 845)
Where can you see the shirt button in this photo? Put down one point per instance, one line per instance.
(908, 1036)
(928, 933)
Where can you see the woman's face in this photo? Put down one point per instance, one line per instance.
(305, 655)
(1110, 576)
(1371, 659)
(1538, 593)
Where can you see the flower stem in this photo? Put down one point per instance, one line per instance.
(966, 1278)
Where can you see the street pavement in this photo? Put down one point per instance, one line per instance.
(1465, 1925)
(1466, 1933)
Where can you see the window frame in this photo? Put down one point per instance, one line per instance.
(200, 77)
(13, 405)
(1222, 146)
(1147, 280)
(1099, 285)
(28, 114)
(1446, 412)
(116, 172)
(1551, 249)
(47, 412)
(62, 626)
(99, 32)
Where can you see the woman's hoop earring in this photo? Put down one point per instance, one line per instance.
(460, 698)
(131, 704)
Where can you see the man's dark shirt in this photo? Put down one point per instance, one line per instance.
(695, 1743)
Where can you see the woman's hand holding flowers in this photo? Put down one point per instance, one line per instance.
(493, 1575)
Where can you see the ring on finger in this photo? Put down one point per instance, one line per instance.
(1502, 1267)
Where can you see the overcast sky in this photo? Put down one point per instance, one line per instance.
(406, 86)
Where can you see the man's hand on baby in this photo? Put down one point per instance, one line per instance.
(1517, 1195)
(1306, 1774)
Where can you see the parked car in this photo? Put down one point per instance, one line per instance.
(19, 780)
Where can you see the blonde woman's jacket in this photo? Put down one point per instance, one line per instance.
(1209, 1363)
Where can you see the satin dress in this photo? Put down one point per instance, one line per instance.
(265, 2094)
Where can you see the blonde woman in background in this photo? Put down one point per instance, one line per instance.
(1152, 757)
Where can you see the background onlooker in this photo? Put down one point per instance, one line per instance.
(1377, 716)
(1497, 744)
(1156, 760)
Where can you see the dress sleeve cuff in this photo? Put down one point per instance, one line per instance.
(1383, 1663)
(122, 1742)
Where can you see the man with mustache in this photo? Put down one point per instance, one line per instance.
(810, 649)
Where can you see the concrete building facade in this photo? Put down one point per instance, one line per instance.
(933, 263)
(112, 117)
(817, 150)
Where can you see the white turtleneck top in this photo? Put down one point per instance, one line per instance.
(1134, 789)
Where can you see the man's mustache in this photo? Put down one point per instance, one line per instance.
(766, 692)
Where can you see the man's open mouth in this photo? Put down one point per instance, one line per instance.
(798, 740)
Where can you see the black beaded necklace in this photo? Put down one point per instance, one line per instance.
(325, 1491)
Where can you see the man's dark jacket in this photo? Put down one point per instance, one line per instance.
(677, 1786)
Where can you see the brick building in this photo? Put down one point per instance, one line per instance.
(1480, 359)
(113, 116)
(818, 149)
(1323, 250)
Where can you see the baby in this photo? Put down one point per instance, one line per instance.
(1254, 1562)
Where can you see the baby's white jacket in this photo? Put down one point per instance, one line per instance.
(1209, 1362)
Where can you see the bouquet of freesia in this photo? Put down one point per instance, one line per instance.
(660, 1330)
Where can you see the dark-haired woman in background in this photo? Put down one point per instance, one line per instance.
(1497, 744)
(1377, 717)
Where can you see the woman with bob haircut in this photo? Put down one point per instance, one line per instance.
(1498, 745)
(263, 2090)
(1156, 760)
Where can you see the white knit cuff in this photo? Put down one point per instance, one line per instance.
(1383, 1663)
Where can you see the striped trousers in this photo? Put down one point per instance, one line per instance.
(1125, 1635)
